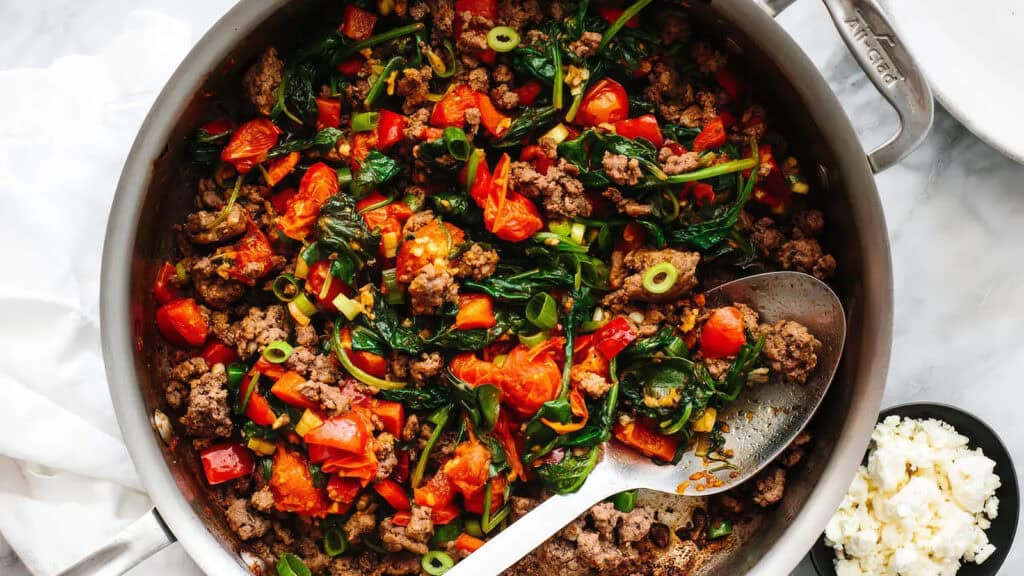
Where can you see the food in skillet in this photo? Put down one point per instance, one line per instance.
(447, 252)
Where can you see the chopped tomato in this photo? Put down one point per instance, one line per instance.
(507, 214)
(611, 14)
(475, 311)
(503, 433)
(494, 121)
(282, 199)
(431, 242)
(182, 322)
(373, 364)
(250, 143)
(474, 371)
(286, 389)
(723, 334)
(253, 256)
(645, 126)
(613, 337)
(328, 113)
(343, 490)
(165, 288)
(217, 352)
(467, 543)
(605, 101)
(468, 469)
(393, 493)
(391, 415)
(444, 514)
(703, 193)
(292, 485)
(216, 127)
(437, 492)
(390, 129)
(258, 408)
(711, 136)
(351, 66)
(475, 501)
(347, 432)
(528, 92)
(268, 369)
(358, 23)
(318, 184)
(451, 109)
(225, 462)
(531, 377)
(280, 167)
(361, 467)
(641, 436)
(535, 155)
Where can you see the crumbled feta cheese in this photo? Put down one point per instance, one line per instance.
(919, 507)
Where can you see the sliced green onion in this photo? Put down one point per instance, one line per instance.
(286, 288)
(227, 207)
(660, 278)
(289, 564)
(347, 306)
(670, 427)
(376, 205)
(382, 80)
(475, 158)
(542, 311)
(344, 176)
(179, 269)
(372, 41)
(556, 57)
(457, 143)
(356, 372)
(667, 207)
(446, 532)
(502, 39)
(365, 121)
(576, 232)
(711, 171)
(303, 303)
(277, 352)
(436, 562)
(244, 403)
(489, 398)
(720, 530)
(625, 501)
(562, 228)
(236, 372)
(626, 15)
(472, 527)
(439, 419)
(563, 242)
(394, 291)
(531, 340)
(489, 522)
(335, 542)
(267, 467)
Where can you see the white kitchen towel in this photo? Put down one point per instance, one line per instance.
(76, 80)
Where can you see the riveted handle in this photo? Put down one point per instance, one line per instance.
(140, 540)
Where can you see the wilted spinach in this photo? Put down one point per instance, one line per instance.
(568, 474)
(530, 121)
(325, 138)
(706, 235)
(428, 398)
(340, 226)
(375, 170)
(390, 327)
(522, 286)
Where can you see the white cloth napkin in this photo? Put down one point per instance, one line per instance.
(76, 80)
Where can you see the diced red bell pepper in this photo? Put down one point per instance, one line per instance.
(258, 409)
(642, 436)
(182, 322)
(771, 189)
(723, 334)
(475, 311)
(437, 492)
(613, 337)
(316, 281)
(486, 8)
(217, 352)
(280, 167)
(611, 14)
(358, 23)
(351, 66)
(346, 432)
(703, 193)
(328, 113)
(494, 121)
(391, 415)
(390, 129)
(535, 155)
(728, 83)
(165, 288)
(528, 92)
(393, 494)
(268, 369)
(711, 136)
(250, 143)
(343, 490)
(605, 101)
(318, 184)
(451, 109)
(645, 126)
(282, 199)
(467, 543)
(225, 462)
(292, 485)
(444, 514)
(373, 364)
(286, 389)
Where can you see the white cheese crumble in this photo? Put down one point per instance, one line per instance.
(919, 507)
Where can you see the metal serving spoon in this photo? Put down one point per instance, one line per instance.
(763, 421)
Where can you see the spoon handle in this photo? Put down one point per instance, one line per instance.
(530, 531)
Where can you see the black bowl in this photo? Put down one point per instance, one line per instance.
(981, 436)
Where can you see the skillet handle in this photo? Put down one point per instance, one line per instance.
(868, 33)
(140, 540)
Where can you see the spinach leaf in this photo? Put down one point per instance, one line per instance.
(366, 340)
(736, 377)
(390, 327)
(708, 234)
(680, 134)
(435, 158)
(521, 287)
(569, 473)
(325, 138)
(638, 106)
(299, 90)
(341, 228)
(530, 121)
(450, 338)
(535, 62)
(375, 170)
(450, 204)
(430, 398)
(655, 235)
(205, 148)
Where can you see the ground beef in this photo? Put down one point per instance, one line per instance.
(262, 79)
(771, 486)
(750, 317)
(668, 91)
(806, 255)
(414, 87)
(505, 97)
(587, 45)
(416, 123)
(801, 252)
(473, 36)
(628, 206)
(708, 59)
(518, 13)
(809, 222)
(622, 169)
(442, 14)
(180, 378)
(263, 499)
(417, 221)
(594, 385)
(672, 163)
(329, 396)
(208, 414)
(432, 287)
(563, 194)
(477, 263)
(692, 117)
(260, 327)
(384, 448)
(796, 451)
(306, 335)
(206, 227)
(478, 79)
(427, 366)
(638, 261)
(363, 521)
(413, 537)
(790, 350)
(244, 522)
(316, 367)
(635, 525)
(766, 236)
(674, 27)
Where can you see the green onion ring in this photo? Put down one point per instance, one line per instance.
(335, 542)
(236, 372)
(365, 121)
(502, 39)
(668, 276)
(394, 295)
(542, 311)
(378, 86)
(473, 528)
(248, 392)
(471, 167)
(277, 352)
(267, 467)
(457, 143)
(344, 176)
(436, 562)
(531, 340)
(289, 564)
(280, 286)
(304, 304)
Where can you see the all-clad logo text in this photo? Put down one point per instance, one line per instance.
(874, 47)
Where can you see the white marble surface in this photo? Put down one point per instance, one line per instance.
(952, 210)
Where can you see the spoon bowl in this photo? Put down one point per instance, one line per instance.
(763, 421)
